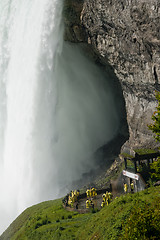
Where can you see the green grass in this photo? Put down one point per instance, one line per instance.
(126, 155)
(142, 151)
(49, 220)
(110, 222)
(139, 151)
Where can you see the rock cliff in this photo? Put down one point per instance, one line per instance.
(125, 35)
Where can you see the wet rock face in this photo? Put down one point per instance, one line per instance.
(125, 34)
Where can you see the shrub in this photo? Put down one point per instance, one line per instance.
(155, 127)
(38, 224)
(44, 221)
(143, 223)
(61, 228)
(39, 218)
(94, 210)
(155, 170)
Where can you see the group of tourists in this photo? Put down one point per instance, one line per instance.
(107, 198)
(71, 198)
(131, 187)
(91, 193)
(89, 203)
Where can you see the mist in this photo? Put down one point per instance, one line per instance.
(83, 119)
(57, 107)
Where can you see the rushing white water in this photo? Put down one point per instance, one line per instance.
(56, 107)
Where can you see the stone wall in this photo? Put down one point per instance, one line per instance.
(126, 35)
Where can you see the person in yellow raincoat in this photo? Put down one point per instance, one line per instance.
(125, 187)
(107, 201)
(132, 187)
(103, 204)
(70, 201)
(107, 195)
(87, 204)
(94, 192)
(72, 193)
(88, 193)
(78, 193)
(75, 196)
(104, 197)
(110, 196)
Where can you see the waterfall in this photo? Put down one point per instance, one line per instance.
(56, 107)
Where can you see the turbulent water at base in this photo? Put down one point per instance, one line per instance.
(56, 107)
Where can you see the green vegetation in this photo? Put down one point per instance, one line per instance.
(48, 220)
(155, 170)
(126, 155)
(144, 221)
(131, 216)
(155, 127)
(130, 164)
(142, 151)
(139, 151)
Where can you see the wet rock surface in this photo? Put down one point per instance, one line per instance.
(125, 35)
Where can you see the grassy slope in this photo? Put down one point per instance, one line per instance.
(49, 220)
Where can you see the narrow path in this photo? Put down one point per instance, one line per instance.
(80, 205)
